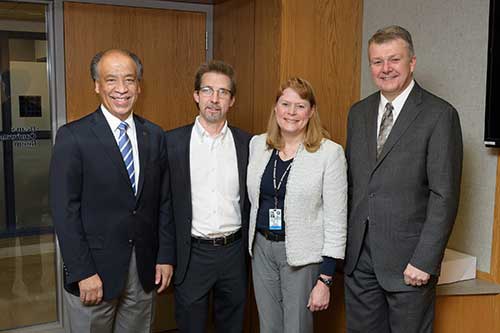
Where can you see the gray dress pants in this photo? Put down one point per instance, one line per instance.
(281, 291)
(372, 309)
(131, 313)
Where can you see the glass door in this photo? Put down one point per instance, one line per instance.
(27, 243)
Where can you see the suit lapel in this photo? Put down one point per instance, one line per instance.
(105, 136)
(371, 128)
(182, 149)
(143, 147)
(242, 159)
(408, 114)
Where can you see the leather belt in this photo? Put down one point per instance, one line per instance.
(271, 236)
(218, 241)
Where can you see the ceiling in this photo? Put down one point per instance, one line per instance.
(36, 12)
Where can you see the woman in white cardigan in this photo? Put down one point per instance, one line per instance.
(297, 186)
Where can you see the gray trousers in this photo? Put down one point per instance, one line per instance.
(281, 291)
(132, 312)
(372, 309)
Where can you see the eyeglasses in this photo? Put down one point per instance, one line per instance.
(208, 91)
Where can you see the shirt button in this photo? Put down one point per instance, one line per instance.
(134, 212)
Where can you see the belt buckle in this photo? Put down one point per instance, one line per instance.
(219, 241)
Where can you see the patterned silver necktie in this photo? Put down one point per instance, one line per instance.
(385, 127)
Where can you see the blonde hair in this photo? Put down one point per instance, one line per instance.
(314, 134)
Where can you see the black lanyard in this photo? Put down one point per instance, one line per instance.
(277, 188)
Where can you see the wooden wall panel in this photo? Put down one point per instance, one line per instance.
(495, 244)
(332, 320)
(454, 314)
(234, 44)
(170, 43)
(267, 60)
(247, 35)
(321, 41)
(465, 314)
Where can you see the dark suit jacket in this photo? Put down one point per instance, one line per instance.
(178, 142)
(410, 195)
(97, 217)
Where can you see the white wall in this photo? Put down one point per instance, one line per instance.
(451, 39)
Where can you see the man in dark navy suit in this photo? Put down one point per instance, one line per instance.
(108, 187)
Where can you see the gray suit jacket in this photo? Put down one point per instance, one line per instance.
(410, 194)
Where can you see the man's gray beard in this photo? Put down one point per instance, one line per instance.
(213, 118)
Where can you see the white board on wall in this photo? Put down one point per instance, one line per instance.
(29, 79)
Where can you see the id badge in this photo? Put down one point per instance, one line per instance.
(275, 219)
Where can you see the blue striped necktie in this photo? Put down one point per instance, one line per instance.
(126, 150)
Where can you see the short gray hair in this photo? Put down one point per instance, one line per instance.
(391, 33)
(94, 72)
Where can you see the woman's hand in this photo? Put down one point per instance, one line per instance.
(319, 299)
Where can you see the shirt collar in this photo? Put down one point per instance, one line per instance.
(399, 101)
(114, 121)
(203, 134)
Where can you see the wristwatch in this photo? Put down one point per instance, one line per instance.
(327, 282)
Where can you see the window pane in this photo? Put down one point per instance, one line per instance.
(27, 241)
(31, 162)
(3, 223)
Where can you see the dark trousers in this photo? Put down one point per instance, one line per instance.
(222, 271)
(371, 309)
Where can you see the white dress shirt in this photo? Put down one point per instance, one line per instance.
(397, 104)
(215, 190)
(113, 123)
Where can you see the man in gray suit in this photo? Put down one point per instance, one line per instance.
(404, 150)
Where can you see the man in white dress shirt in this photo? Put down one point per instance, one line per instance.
(208, 161)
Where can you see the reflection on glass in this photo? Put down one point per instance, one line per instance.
(28, 281)
(31, 162)
(27, 246)
(29, 93)
(3, 224)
